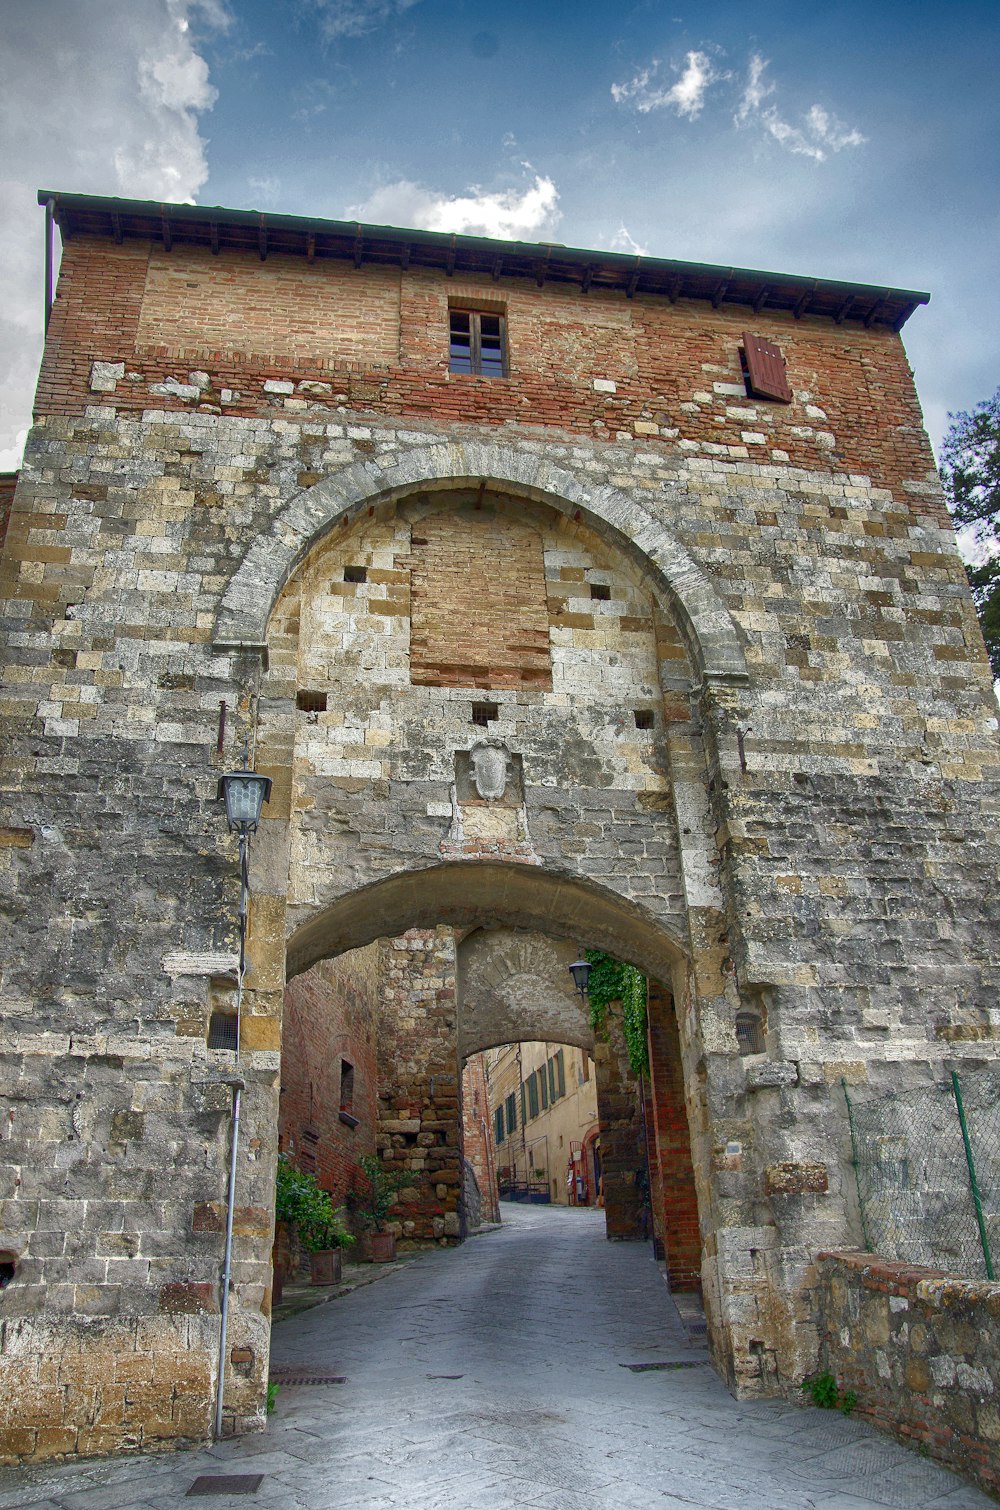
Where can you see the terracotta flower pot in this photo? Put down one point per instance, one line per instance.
(325, 1267)
(383, 1247)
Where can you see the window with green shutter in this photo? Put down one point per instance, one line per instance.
(498, 1124)
(511, 1113)
(552, 1078)
(560, 1073)
(543, 1086)
(532, 1095)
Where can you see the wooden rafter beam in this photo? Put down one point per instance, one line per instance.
(844, 309)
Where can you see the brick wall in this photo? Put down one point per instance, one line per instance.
(480, 616)
(477, 1134)
(233, 334)
(677, 1218)
(919, 1350)
(331, 1016)
(8, 483)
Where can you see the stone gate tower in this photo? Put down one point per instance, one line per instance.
(602, 597)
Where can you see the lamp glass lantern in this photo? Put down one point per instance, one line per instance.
(580, 971)
(244, 793)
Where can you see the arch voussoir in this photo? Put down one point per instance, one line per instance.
(273, 557)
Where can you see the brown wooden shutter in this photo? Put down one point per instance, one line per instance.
(766, 369)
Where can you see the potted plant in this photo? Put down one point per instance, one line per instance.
(300, 1201)
(370, 1201)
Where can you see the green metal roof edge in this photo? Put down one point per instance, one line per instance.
(627, 263)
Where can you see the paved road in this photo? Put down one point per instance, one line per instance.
(492, 1376)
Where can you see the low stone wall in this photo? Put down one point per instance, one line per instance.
(919, 1349)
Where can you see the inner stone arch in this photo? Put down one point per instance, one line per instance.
(514, 984)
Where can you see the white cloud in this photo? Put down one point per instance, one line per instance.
(123, 120)
(624, 241)
(353, 18)
(509, 215)
(755, 91)
(820, 133)
(686, 96)
(266, 190)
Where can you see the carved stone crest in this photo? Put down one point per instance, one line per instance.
(489, 770)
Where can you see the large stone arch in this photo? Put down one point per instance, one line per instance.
(469, 893)
(711, 636)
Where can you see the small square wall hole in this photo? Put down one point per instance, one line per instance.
(310, 702)
(223, 1031)
(484, 713)
(355, 574)
(644, 718)
(600, 593)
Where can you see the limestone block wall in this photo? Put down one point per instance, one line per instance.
(420, 1130)
(918, 1348)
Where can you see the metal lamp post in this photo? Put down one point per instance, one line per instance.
(244, 793)
(580, 971)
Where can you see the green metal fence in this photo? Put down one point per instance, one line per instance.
(928, 1170)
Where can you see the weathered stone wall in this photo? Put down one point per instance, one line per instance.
(918, 1348)
(807, 829)
(419, 1134)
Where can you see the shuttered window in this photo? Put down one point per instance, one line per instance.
(533, 1095)
(764, 369)
(560, 1074)
(498, 1124)
(511, 1113)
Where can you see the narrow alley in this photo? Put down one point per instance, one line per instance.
(538, 1365)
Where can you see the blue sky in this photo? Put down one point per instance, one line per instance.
(856, 141)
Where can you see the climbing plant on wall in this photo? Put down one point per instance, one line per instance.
(610, 981)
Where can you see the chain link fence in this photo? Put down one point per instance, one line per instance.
(928, 1170)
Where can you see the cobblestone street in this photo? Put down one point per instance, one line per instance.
(536, 1366)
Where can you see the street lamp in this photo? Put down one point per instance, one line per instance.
(580, 971)
(244, 793)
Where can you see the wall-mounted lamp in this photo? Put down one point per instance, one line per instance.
(580, 971)
(244, 793)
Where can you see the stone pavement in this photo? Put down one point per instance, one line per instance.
(503, 1373)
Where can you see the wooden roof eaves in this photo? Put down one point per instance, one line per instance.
(644, 277)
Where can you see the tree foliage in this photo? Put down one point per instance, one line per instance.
(970, 472)
(610, 980)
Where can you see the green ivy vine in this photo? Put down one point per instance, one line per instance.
(610, 981)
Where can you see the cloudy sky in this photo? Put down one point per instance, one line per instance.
(855, 141)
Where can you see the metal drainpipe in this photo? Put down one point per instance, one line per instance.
(238, 1086)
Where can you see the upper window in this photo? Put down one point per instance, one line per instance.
(478, 343)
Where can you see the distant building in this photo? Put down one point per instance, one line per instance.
(543, 1112)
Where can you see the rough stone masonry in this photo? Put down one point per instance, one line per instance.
(657, 642)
